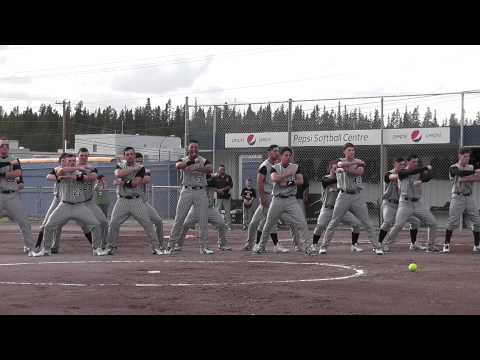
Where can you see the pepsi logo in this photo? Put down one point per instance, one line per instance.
(416, 136)
(251, 139)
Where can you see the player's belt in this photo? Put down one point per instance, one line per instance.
(411, 199)
(193, 187)
(8, 191)
(392, 201)
(73, 203)
(460, 193)
(130, 197)
(284, 196)
(351, 192)
(329, 206)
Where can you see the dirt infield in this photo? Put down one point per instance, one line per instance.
(135, 282)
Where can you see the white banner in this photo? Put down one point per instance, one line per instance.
(253, 140)
(440, 135)
(335, 137)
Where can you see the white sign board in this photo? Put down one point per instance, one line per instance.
(335, 137)
(255, 140)
(440, 135)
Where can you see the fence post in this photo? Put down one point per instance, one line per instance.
(381, 182)
(289, 122)
(168, 183)
(462, 124)
(214, 136)
(187, 113)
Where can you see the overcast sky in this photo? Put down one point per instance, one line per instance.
(126, 75)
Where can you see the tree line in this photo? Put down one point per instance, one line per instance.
(42, 130)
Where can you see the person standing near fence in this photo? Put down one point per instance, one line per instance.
(411, 181)
(224, 184)
(390, 201)
(101, 195)
(302, 199)
(349, 174)
(462, 175)
(264, 187)
(10, 202)
(329, 197)
(194, 193)
(285, 177)
(248, 195)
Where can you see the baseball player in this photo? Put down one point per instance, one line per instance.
(302, 199)
(194, 183)
(214, 218)
(349, 182)
(285, 177)
(152, 212)
(101, 195)
(224, 184)
(462, 175)
(391, 197)
(10, 202)
(72, 206)
(410, 204)
(264, 187)
(130, 202)
(248, 195)
(52, 176)
(329, 196)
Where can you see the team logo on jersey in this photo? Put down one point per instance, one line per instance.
(251, 140)
(416, 136)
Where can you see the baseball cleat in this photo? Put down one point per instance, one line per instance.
(206, 251)
(311, 249)
(26, 250)
(100, 252)
(356, 248)
(177, 248)
(280, 249)
(257, 249)
(476, 249)
(446, 248)
(224, 248)
(158, 252)
(378, 251)
(42, 252)
(416, 247)
(247, 247)
(322, 251)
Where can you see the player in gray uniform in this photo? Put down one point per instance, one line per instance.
(152, 212)
(130, 202)
(71, 207)
(264, 188)
(390, 202)
(10, 202)
(285, 177)
(462, 175)
(349, 182)
(329, 196)
(214, 218)
(411, 204)
(194, 184)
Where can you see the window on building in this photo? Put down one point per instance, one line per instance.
(94, 148)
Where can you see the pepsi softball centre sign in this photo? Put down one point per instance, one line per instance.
(440, 135)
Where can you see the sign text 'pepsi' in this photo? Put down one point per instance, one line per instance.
(253, 140)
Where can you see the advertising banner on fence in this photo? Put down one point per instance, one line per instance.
(335, 137)
(254, 140)
(440, 135)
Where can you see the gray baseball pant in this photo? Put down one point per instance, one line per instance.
(407, 209)
(389, 211)
(325, 217)
(225, 204)
(139, 211)
(78, 212)
(158, 222)
(460, 204)
(289, 211)
(258, 222)
(248, 214)
(188, 197)
(12, 205)
(355, 203)
(214, 218)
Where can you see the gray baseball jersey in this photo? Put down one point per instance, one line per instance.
(191, 177)
(347, 181)
(285, 190)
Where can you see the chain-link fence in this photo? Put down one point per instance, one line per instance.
(433, 126)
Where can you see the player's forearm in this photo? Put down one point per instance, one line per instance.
(13, 174)
(471, 178)
(51, 177)
(358, 171)
(277, 178)
(146, 180)
(121, 173)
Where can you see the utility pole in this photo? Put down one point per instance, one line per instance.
(64, 135)
(124, 117)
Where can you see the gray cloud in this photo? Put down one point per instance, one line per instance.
(15, 79)
(159, 81)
